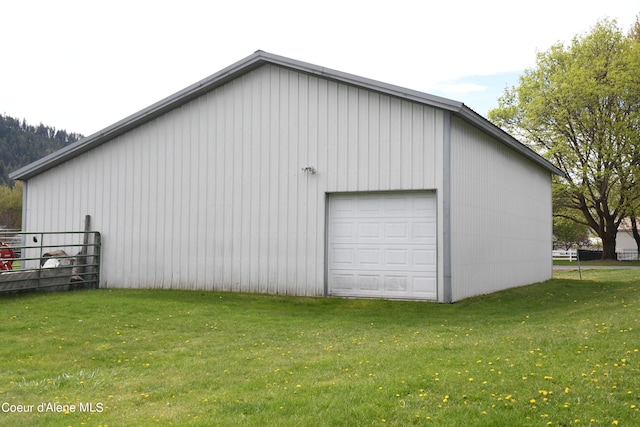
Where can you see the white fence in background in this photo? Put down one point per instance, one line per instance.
(572, 255)
(562, 255)
(627, 255)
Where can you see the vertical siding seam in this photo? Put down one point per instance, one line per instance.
(245, 253)
(255, 177)
(274, 121)
(206, 140)
(311, 214)
(284, 190)
(226, 245)
(265, 190)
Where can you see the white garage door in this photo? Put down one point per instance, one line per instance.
(382, 245)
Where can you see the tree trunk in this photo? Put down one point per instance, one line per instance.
(609, 243)
(636, 235)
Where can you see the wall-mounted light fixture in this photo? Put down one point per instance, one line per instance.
(309, 170)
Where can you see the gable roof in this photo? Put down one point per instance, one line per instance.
(252, 62)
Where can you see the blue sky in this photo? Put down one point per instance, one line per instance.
(82, 66)
(480, 93)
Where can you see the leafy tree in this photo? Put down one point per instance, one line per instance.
(567, 229)
(4, 180)
(568, 233)
(580, 108)
(634, 34)
(11, 206)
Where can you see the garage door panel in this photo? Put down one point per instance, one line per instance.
(369, 257)
(343, 230)
(424, 258)
(382, 245)
(387, 285)
(395, 283)
(344, 208)
(426, 205)
(343, 258)
(343, 283)
(396, 230)
(396, 205)
(368, 282)
(369, 230)
(368, 205)
(426, 286)
(423, 230)
(381, 259)
(396, 257)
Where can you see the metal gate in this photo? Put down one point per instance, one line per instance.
(52, 261)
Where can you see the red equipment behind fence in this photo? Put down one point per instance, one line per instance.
(7, 256)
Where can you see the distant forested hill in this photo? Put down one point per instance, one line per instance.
(22, 143)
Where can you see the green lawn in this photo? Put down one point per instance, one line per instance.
(564, 352)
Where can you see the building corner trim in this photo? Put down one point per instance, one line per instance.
(447, 295)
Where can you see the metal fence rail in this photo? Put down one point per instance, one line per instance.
(53, 261)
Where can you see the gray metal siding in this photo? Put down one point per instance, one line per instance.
(500, 215)
(211, 195)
